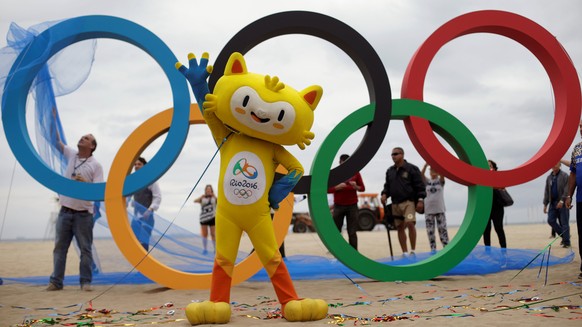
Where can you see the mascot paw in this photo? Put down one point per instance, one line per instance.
(305, 310)
(208, 312)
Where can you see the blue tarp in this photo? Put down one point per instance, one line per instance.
(482, 260)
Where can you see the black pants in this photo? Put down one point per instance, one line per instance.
(351, 214)
(497, 213)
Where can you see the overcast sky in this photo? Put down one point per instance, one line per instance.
(492, 84)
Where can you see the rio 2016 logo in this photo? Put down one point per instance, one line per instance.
(244, 183)
(243, 188)
(421, 119)
(242, 167)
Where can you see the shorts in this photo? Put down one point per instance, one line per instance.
(406, 209)
(209, 222)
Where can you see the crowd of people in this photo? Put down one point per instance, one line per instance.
(410, 191)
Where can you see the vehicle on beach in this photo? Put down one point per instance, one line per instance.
(370, 213)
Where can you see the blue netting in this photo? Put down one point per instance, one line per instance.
(62, 74)
(482, 260)
(177, 247)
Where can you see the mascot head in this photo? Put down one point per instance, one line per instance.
(262, 107)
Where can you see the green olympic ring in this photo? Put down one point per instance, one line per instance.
(478, 205)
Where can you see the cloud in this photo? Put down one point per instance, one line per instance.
(494, 86)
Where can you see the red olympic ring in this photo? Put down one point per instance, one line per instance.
(558, 66)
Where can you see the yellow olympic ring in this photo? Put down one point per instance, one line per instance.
(124, 237)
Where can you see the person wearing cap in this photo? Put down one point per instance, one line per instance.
(405, 187)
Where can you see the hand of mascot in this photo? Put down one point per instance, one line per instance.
(306, 139)
(196, 74)
(281, 188)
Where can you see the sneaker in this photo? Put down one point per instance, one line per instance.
(86, 287)
(53, 287)
(565, 246)
(580, 276)
(412, 252)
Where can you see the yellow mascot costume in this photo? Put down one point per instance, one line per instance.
(251, 116)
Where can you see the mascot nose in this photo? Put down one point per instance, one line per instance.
(261, 113)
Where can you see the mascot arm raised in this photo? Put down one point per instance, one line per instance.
(281, 188)
(197, 74)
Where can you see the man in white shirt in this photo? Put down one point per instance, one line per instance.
(76, 216)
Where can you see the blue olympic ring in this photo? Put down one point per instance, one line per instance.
(62, 35)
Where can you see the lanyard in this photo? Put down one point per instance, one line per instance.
(77, 166)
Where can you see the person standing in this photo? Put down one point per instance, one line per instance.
(555, 194)
(574, 184)
(345, 204)
(75, 217)
(207, 216)
(434, 207)
(145, 202)
(496, 216)
(405, 186)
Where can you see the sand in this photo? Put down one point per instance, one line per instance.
(478, 300)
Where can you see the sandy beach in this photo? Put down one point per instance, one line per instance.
(499, 299)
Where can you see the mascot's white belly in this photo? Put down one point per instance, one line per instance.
(244, 179)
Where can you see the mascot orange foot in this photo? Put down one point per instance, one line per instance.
(251, 117)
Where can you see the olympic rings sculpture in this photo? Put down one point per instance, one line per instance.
(420, 119)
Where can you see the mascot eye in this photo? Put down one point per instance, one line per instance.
(246, 101)
(281, 115)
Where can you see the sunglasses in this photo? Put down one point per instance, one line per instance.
(396, 153)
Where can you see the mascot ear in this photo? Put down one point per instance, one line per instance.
(236, 65)
(312, 95)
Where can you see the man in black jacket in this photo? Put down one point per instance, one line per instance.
(555, 194)
(405, 186)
